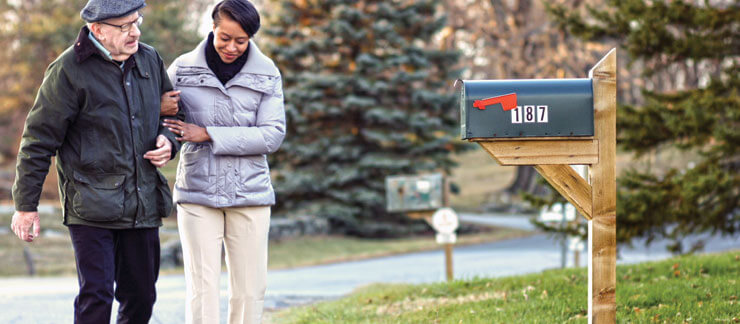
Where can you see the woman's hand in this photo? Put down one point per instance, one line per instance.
(168, 103)
(187, 132)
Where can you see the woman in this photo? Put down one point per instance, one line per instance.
(232, 97)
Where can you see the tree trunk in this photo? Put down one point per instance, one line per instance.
(524, 181)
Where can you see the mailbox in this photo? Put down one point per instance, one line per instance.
(526, 108)
(414, 193)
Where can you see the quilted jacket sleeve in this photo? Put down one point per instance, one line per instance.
(264, 137)
(167, 86)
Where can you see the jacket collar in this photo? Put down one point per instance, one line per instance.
(257, 62)
(84, 47)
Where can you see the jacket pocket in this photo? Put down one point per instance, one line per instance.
(164, 205)
(254, 176)
(98, 197)
(193, 172)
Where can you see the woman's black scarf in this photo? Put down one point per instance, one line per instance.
(224, 72)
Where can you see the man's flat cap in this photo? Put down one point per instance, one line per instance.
(97, 10)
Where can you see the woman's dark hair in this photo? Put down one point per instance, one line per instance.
(241, 11)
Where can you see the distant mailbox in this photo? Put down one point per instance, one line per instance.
(414, 193)
(526, 108)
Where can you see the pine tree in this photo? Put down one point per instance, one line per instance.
(700, 41)
(366, 97)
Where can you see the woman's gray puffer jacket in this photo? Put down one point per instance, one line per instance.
(245, 119)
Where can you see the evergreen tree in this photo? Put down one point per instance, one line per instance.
(702, 38)
(366, 97)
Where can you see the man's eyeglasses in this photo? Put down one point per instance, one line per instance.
(125, 28)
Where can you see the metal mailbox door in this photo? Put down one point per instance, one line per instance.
(526, 108)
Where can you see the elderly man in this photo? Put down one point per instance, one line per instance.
(98, 111)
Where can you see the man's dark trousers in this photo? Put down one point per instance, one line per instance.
(128, 257)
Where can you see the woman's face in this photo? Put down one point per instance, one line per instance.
(229, 39)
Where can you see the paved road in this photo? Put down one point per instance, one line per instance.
(49, 300)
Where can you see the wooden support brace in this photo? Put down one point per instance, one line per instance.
(535, 152)
(569, 184)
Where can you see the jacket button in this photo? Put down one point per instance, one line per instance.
(138, 188)
(128, 83)
(179, 79)
(133, 117)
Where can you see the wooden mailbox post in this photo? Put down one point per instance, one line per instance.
(551, 157)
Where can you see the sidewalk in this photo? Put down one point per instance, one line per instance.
(50, 300)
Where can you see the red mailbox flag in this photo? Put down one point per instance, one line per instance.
(508, 102)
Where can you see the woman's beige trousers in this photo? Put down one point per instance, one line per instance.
(243, 231)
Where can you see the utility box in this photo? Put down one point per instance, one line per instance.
(526, 108)
(414, 193)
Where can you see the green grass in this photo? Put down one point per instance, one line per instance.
(689, 289)
(54, 256)
(327, 249)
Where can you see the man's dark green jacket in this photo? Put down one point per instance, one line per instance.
(98, 119)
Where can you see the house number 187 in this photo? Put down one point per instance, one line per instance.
(529, 114)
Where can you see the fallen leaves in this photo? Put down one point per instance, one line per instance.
(676, 272)
(419, 304)
(525, 290)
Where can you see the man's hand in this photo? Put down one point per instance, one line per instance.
(169, 103)
(162, 154)
(22, 223)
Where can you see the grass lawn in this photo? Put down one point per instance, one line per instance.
(328, 249)
(53, 254)
(688, 289)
